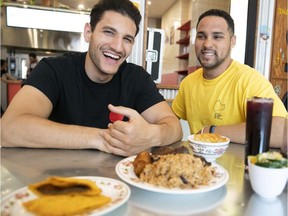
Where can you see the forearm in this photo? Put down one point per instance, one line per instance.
(237, 132)
(278, 132)
(166, 132)
(31, 131)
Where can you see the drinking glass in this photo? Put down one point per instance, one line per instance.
(258, 125)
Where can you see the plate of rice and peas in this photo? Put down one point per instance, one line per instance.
(172, 173)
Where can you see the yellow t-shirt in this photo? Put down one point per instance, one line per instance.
(222, 101)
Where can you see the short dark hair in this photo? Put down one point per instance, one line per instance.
(3, 61)
(219, 13)
(33, 55)
(124, 7)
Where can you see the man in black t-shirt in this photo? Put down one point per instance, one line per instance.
(95, 99)
(3, 67)
(33, 61)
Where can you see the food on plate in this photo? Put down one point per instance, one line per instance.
(271, 159)
(210, 137)
(61, 186)
(59, 196)
(177, 170)
(144, 158)
(185, 149)
(141, 160)
(61, 205)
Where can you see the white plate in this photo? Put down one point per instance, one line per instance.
(118, 191)
(125, 171)
(177, 204)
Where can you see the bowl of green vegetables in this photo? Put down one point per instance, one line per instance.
(268, 173)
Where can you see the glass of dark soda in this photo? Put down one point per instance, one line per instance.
(258, 125)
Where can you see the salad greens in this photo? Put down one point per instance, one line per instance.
(269, 159)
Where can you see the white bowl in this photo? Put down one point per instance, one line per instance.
(267, 182)
(210, 151)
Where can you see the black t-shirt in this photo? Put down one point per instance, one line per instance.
(78, 100)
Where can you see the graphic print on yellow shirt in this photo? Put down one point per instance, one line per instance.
(217, 109)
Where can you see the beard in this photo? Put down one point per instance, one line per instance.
(211, 64)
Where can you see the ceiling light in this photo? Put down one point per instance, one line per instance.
(45, 19)
(80, 6)
(149, 2)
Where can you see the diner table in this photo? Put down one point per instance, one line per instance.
(23, 166)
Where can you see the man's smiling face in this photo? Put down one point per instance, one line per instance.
(213, 42)
(110, 43)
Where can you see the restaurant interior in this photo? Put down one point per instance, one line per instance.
(262, 44)
(261, 28)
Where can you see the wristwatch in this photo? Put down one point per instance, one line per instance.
(212, 129)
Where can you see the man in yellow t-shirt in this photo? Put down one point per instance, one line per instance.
(216, 94)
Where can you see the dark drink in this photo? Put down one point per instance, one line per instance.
(258, 126)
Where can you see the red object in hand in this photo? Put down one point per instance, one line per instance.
(115, 117)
